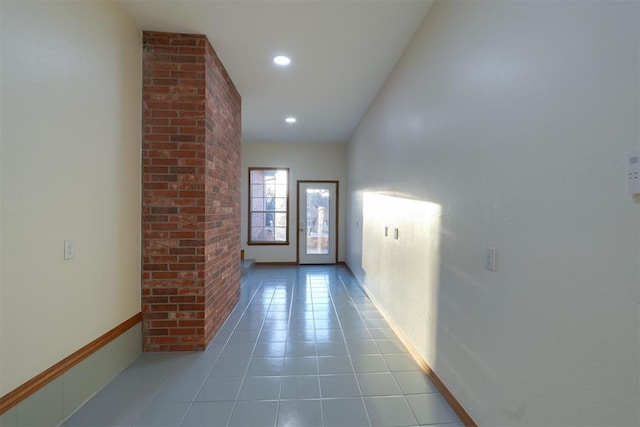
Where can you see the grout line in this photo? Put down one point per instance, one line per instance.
(248, 304)
(246, 370)
(375, 341)
(364, 404)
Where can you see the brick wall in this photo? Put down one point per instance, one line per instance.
(191, 192)
(222, 183)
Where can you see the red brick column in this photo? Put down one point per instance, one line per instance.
(191, 192)
(222, 183)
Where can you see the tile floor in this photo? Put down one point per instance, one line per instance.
(304, 347)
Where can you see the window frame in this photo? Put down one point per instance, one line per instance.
(250, 210)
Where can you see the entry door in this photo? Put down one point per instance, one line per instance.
(317, 222)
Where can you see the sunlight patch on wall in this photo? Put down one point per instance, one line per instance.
(401, 261)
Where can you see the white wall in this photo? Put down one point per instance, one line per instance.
(513, 119)
(71, 101)
(305, 162)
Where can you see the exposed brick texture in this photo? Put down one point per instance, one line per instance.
(191, 192)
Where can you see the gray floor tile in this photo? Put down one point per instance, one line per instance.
(119, 414)
(301, 348)
(275, 321)
(350, 323)
(345, 412)
(163, 414)
(332, 348)
(260, 388)
(294, 413)
(300, 387)
(265, 366)
(235, 350)
(370, 314)
(269, 349)
(376, 323)
(414, 382)
(369, 363)
(432, 409)
(389, 411)
(303, 334)
(273, 335)
(328, 334)
(300, 319)
(230, 367)
(208, 414)
(279, 308)
(339, 386)
(401, 362)
(325, 304)
(356, 334)
(179, 389)
(164, 364)
(347, 312)
(363, 347)
(256, 413)
(378, 384)
(300, 366)
(195, 369)
(391, 347)
(219, 388)
(383, 333)
(335, 365)
(247, 325)
(125, 391)
(324, 314)
(247, 336)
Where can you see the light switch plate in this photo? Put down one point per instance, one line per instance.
(490, 259)
(69, 249)
(632, 171)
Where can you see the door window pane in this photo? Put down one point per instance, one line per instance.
(317, 221)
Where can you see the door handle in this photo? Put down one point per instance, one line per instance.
(302, 227)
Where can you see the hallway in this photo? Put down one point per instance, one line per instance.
(303, 347)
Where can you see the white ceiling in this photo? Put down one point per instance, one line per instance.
(342, 52)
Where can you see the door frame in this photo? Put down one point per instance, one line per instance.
(337, 216)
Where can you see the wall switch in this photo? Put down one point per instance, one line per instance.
(69, 249)
(490, 259)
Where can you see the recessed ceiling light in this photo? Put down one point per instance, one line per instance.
(290, 120)
(282, 60)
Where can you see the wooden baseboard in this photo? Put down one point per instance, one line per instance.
(290, 263)
(444, 391)
(22, 392)
(276, 264)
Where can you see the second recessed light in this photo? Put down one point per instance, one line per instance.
(290, 120)
(282, 60)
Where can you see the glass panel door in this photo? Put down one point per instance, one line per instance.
(317, 204)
